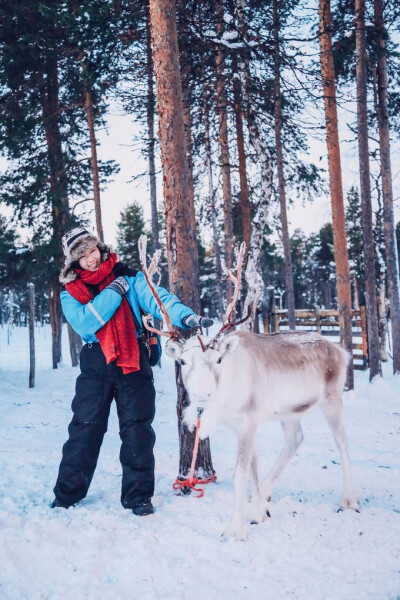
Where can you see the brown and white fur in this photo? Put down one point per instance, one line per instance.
(246, 378)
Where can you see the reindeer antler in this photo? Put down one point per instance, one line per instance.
(237, 281)
(148, 273)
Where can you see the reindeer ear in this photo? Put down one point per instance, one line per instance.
(228, 345)
(173, 349)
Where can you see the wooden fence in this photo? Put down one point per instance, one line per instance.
(325, 322)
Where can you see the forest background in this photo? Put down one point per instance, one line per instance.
(254, 102)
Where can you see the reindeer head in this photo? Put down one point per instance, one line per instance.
(203, 362)
(201, 359)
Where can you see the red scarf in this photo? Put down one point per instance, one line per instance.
(118, 336)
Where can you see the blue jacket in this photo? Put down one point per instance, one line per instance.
(86, 319)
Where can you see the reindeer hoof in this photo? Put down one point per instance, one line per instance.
(257, 513)
(349, 503)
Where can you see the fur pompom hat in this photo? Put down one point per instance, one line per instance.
(75, 244)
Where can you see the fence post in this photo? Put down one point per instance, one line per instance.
(276, 320)
(318, 318)
(31, 288)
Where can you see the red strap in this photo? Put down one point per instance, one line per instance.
(191, 481)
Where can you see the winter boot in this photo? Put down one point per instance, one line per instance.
(143, 507)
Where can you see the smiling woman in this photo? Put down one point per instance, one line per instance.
(90, 261)
(103, 301)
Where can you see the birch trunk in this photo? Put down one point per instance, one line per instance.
(365, 192)
(392, 263)
(244, 188)
(211, 199)
(335, 181)
(253, 278)
(224, 142)
(280, 172)
(181, 242)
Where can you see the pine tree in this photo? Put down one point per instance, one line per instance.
(130, 227)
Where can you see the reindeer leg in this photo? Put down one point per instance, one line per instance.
(332, 411)
(258, 509)
(293, 438)
(237, 527)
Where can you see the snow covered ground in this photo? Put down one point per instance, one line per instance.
(98, 550)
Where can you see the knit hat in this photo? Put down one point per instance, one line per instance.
(75, 244)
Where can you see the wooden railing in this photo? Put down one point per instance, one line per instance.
(326, 322)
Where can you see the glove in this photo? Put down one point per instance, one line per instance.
(119, 285)
(197, 321)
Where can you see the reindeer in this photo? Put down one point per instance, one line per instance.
(242, 379)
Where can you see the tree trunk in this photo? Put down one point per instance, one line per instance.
(185, 68)
(181, 242)
(392, 264)
(245, 207)
(335, 181)
(224, 142)
(75, 345)
(211, 196)
(93, 154)
(151, 106)
(254, 281)
(365, 192)
(244, 188)
(382, 313)
(280, 172)
(48, 89)
(31, 288)
(356, 300)
(55, 319)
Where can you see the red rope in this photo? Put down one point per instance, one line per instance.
(191, 481)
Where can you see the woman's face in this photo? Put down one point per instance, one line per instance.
(91, 260)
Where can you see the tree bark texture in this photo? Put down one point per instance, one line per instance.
(392, 261)
(280, 172)
(48, 89)
(55, 319)
(151, 107)
(222, 111)
(181, 242)
(335, 181)
(245, 209)
(211, 196)
(365, 192)
(185, 69)
(31, 288)
(93, 155)
(75, 345)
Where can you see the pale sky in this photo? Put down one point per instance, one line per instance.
(117, 144)
(309, 217)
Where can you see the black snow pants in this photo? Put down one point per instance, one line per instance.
(134, 395)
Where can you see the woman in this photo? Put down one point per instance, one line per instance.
(102, 301)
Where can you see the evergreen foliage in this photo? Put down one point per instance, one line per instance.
(130, 227)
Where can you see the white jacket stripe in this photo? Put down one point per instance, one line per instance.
(96, 314)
